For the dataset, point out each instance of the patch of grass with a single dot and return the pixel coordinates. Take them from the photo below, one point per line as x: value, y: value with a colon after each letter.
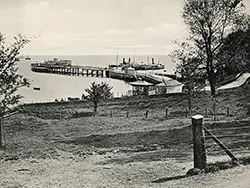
x: 38, y: 130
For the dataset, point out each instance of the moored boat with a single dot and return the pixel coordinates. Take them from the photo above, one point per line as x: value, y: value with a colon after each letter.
x: 37, y: 88
x: 126, y: 74
x: 138, y: 66
x: 27, y: 58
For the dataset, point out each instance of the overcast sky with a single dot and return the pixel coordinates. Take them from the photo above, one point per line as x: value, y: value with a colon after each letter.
x: 80, y: 27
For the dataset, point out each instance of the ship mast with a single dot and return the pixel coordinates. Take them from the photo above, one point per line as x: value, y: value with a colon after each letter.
x: 134, y: 56
x: 117, y: 57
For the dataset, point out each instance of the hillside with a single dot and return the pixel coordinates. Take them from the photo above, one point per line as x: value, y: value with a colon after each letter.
x: 61, y: 145
x: 236, y: 99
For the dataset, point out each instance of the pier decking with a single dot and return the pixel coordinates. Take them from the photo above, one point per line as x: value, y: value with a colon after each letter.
x: 76, y: 70
x: 69, y: 70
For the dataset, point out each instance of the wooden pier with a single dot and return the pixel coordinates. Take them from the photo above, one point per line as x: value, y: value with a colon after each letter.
x: 70, y: 70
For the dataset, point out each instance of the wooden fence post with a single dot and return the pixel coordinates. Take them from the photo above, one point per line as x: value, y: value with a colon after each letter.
x: 228, y: 111
x: 214, y: 108
x: 2, y: 140
x: 199, y: 142
x: 166, y: 113
x: 61, y: 113
x: 186, y: 115
x: 1, y: 133
x: 127, y: 113
x: 111, y: 114
x: 146, y: 114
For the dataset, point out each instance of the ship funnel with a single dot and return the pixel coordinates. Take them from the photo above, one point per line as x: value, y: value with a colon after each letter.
x: 129, y: 60
x: 153, y: 61
x: 123, y: 60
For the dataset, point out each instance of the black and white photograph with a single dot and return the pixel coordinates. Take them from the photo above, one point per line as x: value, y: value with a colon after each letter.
x: 124, y: 93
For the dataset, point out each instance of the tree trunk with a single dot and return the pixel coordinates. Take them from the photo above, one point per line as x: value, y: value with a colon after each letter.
x: 95, y: 109
x: 210, y: 65
x: 189, y: 102
x: 214, y: 99
x: 2, y: 144
x: 211, y: 76
x: 212, y: 83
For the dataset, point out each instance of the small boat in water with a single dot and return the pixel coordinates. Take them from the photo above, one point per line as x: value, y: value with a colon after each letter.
x: 37, y: 88
x: 27, y: 58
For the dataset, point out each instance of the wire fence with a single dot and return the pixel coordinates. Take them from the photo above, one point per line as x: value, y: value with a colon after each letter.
x: 218, y: 138
x: 234, y: 135
x: 56, y: 112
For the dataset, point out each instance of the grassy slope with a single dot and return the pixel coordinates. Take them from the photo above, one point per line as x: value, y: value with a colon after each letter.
x: 39, y: 132
x: 39, y: 128
x: 236, y: 99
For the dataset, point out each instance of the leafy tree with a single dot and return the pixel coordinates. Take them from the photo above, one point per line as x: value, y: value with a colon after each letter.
x: 209, y: 22
x: 98, y: 92
x: 234, y: 56
x: 192, y: 77
x: 10, y: 79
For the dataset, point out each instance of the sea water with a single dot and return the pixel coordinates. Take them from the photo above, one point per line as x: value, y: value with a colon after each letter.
x: 53, y: 86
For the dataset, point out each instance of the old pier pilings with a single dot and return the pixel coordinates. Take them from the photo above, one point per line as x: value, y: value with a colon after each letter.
x: 71, y: 70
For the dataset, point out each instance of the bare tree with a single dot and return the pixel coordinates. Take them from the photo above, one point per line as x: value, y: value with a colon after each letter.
x: 209, y: 22
x: 98, y: 92
x: 10, y: 79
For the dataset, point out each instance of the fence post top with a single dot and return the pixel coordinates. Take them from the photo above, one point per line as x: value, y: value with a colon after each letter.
x: 197, y: 117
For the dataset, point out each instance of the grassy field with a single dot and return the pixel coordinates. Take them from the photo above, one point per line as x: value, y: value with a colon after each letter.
x: 61, y: 145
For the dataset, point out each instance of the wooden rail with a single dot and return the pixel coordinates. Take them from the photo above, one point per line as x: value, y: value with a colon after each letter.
x: 10, y: 114
x: 217, y: 141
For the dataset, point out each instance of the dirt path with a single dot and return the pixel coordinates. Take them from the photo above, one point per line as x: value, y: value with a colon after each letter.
x: 237, y: 83
x: 99, y: 171
x: 79, y: 172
